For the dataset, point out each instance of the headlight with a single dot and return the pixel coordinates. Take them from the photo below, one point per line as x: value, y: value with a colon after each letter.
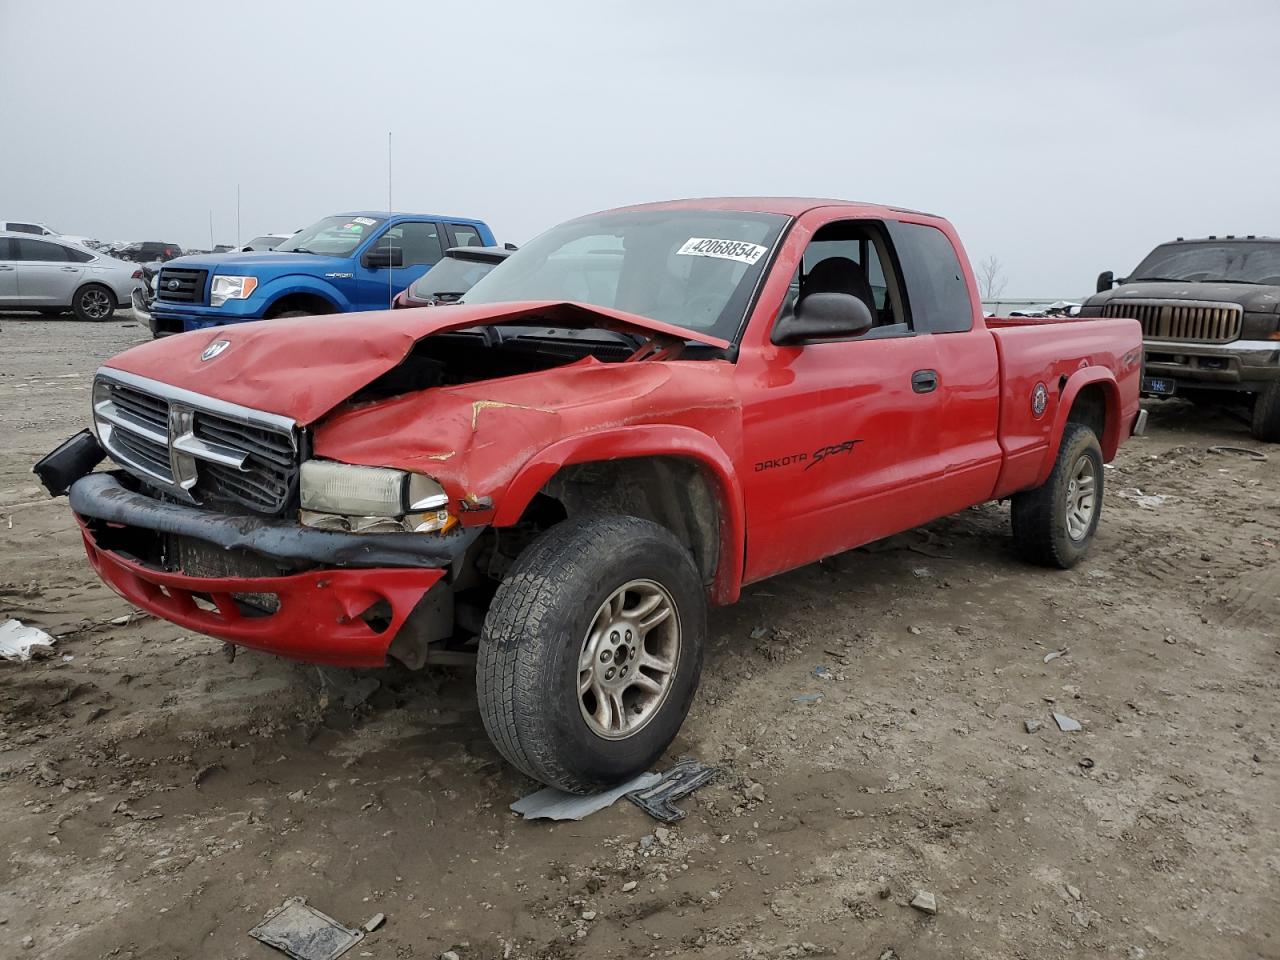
x: 339, y: 496
x: 231, y: 288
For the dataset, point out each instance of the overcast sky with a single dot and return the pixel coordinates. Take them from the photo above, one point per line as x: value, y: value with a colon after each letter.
x: 1063, y: 139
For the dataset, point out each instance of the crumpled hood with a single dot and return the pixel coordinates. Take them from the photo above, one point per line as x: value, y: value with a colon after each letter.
x: 303, y: 367
x: 1254, y: 298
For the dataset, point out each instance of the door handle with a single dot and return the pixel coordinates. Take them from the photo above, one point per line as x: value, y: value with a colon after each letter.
x: 3, y: 267
x: 924, y: 381
x: 70, y: 269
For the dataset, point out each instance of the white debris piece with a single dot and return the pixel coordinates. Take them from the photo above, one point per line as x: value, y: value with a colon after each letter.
x: 17, y: 640
x: 1066, y: 724
x: 553, y: 804
x: 925, y: 902
x: 1054, y: 655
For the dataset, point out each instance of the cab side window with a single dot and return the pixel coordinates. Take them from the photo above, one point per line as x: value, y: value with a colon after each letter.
x: 936, y: 288
x: 465, y: 236
x: 855, y: 257
x: 418, y: 241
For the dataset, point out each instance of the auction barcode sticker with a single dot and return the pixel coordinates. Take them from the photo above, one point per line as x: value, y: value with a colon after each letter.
x: 738, y: 250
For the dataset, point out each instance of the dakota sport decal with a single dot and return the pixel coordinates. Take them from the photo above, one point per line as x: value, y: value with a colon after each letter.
x: 808, y: 459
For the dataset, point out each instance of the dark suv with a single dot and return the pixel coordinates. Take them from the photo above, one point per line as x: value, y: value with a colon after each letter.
x: 149, y: 251
x: 1210, y: 315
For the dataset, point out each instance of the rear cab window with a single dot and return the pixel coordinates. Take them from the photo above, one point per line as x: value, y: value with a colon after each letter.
x: 937, y: 292
x: 465, y: 235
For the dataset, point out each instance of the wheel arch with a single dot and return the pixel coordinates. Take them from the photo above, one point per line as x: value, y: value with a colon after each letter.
x: 301, y: 294
x: 676, y: 476
x: 1089, y: 396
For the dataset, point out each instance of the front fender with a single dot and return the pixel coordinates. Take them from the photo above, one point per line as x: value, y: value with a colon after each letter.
x: 645, y: 440
x: 1110, y: 439
x: 275, y: 290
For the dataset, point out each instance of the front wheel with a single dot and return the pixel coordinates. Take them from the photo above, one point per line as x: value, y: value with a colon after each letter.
x: 1054, y: 524
x: 591, y: 652
x: 1266, y: 414
x: 94, y: 304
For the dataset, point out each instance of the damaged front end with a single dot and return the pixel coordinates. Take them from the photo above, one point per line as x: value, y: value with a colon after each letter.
x: 341, y: 518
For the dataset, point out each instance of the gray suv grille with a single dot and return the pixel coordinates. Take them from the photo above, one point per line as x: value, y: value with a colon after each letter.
x: 1193, y: 320
x: 196, y: 448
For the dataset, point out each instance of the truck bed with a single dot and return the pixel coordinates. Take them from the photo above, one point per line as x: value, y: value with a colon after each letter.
x: 1078, y: 354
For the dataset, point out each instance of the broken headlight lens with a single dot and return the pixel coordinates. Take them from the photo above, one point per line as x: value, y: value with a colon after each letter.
x: 342, y: 496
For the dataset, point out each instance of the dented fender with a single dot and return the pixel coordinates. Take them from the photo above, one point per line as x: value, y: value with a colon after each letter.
x: 645, y: 440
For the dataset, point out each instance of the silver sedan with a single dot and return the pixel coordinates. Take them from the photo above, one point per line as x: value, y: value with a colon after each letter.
x: 53, y: 276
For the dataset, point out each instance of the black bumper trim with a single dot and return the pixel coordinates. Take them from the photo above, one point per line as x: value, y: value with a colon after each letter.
x: 100, y: 496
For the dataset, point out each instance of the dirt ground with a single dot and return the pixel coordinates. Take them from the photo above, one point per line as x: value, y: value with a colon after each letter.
x: 156, y: 799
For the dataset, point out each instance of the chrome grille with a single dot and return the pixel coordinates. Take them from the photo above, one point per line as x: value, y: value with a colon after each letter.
x: 196, y: 448
x: 1191, y: 320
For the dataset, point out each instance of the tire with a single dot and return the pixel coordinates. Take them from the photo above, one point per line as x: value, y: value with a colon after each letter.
x: 1044, y: 532
x: 554, y: 613
x: 1265, y: 425
x: 288, y: 313
x: 94, y: 303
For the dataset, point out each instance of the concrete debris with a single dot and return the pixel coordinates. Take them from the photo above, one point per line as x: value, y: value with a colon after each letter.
x: 758, y: 633
x: 1148, y: 501
x: 374, y: 922
x: 588, y: 915
x: 1074, y: 892
x: 304, y: 933
x: 450, y: 955
x: 1066, y: 724
x: 925, y: 902
x: 553, y: 804
x: 822, y: 673
x: 629, y: 886
x: 752, y: 790
x: 1032, y: 725
x: 20, y: 642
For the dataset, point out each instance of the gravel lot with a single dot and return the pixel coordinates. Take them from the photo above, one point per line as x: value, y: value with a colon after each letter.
x: 158, y: 798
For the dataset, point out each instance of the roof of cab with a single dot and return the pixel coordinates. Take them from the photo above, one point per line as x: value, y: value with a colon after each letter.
x: 396, y: 214
x: 787, y: 206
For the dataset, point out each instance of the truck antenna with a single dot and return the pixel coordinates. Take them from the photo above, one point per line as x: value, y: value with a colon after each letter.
x: 237, y: 217
x: 390, y: 292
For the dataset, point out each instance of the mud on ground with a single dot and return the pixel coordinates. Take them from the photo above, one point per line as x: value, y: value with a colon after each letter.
x: 157, y: 799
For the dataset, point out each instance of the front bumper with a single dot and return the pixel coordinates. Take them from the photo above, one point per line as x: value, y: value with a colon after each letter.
x: 191, y: 316
x: 1240, y: 365
x: 344, y: 607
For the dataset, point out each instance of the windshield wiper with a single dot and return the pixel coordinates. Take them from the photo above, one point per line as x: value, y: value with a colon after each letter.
x: 1162, y: 280
x: 300, y: 250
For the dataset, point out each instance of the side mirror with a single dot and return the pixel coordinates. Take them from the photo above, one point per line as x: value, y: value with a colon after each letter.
x: 382, y: 257
x: 1106, y: 280
x: 824, y: 316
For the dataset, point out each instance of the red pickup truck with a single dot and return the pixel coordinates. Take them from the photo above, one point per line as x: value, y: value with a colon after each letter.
x: 632, y: 417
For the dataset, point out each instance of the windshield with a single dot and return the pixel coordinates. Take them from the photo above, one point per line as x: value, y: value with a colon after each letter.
x: 264, y: 243
x: 332, y: 236
x: 449, y: 279
x: 1231, y: 262
x: 693, y: 268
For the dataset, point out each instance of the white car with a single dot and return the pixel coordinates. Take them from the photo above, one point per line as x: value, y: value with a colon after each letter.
x: 39, y: 230
x: 268, y: 241
x: 52, y: 276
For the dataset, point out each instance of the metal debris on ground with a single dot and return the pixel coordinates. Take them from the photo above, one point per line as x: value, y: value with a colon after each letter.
x: 925, y: 902
x: 20, y: 642
x: 1239, y: 452
x: 553, y: 804
x: 658, y: 800
x: 1086, y: 763
x: 1032, y: 725
x: 758, y: 633
x: 304, y: 933
x: 374, y: 922
x: 822, y: 673
x: 1147, y: 500
x: 1055, y: 654
x: 806, y: 698
x: 1066, y: 724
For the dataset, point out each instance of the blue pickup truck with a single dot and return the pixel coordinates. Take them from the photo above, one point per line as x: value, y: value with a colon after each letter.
x: 344, y: 263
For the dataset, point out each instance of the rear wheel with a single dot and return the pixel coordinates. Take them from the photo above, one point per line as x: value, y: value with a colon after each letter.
x: 94, y: 303
x: 1265, y: 425
x: 591, y: 652
x: 289, y: 313
x: 1054, y: 524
